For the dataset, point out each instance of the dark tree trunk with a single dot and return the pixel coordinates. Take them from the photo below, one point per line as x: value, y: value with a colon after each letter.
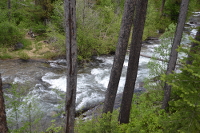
x: 3, y: 123
x: 136, y: 44
x: 162, y: 7
x: 37, y: 2
x: 71, y: 56
x: 127, y: 22
x: 194, y: 49
x: 9, y: 8
x: 174, y: 53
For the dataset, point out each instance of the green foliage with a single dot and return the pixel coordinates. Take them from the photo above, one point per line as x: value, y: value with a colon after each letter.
x: 104, y: 2
x: 27, y: 43
x: 23, y: 55
x: 86, y: 44
x: 154, y: 21
x: 193, y: 6
x: 97, y: 30
x: 9, y: 34
x: 22, y: 111
x: 53, y: 128
x: 157, y: 67
x: 146, y: 116
x: 172, y: 9
x: 98, y: 124
x: 4, y: 54
x: 57, y: 39
x: 184, y: 106
x: 146, y: 113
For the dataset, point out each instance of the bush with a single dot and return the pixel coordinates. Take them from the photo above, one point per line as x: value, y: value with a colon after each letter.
x: 99, y: 124
x: 23, y: 55
x: 9, y: 34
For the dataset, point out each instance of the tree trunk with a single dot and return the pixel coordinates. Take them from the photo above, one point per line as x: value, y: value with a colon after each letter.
x: 126, y: 24
x: 194, y: 48
x: 162, y: 7
x: 3, y: 123
x: 174, y: 53
x: 71, y: 56
x: 136, y: 44
x: 9, y: 10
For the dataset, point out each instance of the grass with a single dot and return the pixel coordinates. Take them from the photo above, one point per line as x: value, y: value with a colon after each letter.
x: 33, y: 48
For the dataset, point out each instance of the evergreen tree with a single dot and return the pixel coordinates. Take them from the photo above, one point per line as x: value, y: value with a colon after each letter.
x: 174, y: 53
x: 184, y: 107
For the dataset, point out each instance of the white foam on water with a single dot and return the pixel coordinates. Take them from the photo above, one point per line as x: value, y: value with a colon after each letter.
x: 18, y: 80
x: 87, y: 100
x: 57, y: 83
x: 101, y: 76
x: 193, y: 32
x: 106, y: 59
x: 91, y: 86
x: 196, y: 14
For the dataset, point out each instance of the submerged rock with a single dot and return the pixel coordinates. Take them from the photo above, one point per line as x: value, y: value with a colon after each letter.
x: 97, y: 110
x: 6, y: 86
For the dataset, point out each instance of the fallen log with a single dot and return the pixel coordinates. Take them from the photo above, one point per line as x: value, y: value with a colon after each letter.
x: 153, y: 57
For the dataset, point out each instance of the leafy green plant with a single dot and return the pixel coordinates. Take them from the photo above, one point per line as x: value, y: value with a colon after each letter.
x: 27, y: 44
x: 23, y: 115
x: 158, y: 63
x: 4, y: 53
x: 23, y: 55
x: 10, y: 34
x: 184, y: 104
x: 98, y: 124
x: 53, y: 128
x: 146, y: 113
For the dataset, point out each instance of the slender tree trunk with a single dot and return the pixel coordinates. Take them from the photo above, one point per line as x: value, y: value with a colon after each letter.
x: 174, y: 53
x: 136, y: 44
x: 3, y: 123
x: 194, y: 48
x: 9, y: 10
x: 162, y: 7
x: 71, y: 56
x: 127, y: 22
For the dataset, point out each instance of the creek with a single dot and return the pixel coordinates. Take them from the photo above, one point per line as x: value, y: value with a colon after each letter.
x: 45, y: 80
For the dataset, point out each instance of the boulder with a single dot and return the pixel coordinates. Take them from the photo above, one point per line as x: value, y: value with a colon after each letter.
x: 6, y: 86
x: 18, y: 46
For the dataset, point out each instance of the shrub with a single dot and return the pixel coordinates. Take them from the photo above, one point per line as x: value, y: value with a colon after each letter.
x: 9, y: 34
x: 23, y: 56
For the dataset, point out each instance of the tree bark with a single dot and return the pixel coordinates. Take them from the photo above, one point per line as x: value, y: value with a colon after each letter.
x: 3, y: 122
x: 136, y: 44
x: 9, y: 10
x: 162, y: 7
x: 126, y: 24
x: 194, y: 48
x: 174, y: 53
x: 71, y: 56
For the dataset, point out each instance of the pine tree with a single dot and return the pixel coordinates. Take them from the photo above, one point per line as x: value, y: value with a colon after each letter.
x: 184, y: 107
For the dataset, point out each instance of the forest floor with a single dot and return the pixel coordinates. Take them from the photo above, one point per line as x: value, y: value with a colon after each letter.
x: 38, y: 49
x: 34, y: 50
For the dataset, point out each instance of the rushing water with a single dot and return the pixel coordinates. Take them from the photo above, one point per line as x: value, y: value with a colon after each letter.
x: 46, y: 80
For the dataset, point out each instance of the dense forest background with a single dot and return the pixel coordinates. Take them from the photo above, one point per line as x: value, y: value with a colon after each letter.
x: 35, y: 29
x: 35, y: 23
